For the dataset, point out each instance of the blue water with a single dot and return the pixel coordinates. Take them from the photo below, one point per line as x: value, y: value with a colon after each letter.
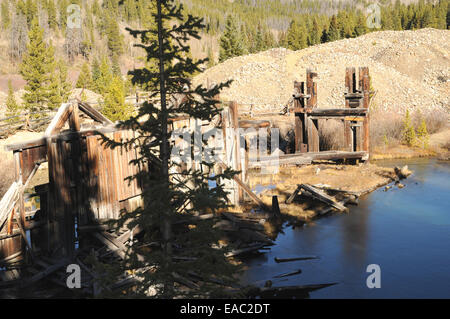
x: 405, y: 231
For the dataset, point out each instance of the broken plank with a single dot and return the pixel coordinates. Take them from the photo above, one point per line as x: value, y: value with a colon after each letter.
x: 321, y: 196
x: 247, y: 190
x: 293, y: 195
x: 48, y: 271
x: 284, y: 260
x: 236, y: 252
x: 289, y: 274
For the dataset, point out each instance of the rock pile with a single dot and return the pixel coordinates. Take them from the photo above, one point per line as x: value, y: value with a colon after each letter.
x: 409, y: 70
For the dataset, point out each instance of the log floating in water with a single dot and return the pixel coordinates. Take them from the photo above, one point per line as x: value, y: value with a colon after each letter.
x: 283, y: 260
x: 289, y: 274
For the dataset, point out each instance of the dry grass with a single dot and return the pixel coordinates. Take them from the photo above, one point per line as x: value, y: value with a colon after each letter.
x: 331, y: 135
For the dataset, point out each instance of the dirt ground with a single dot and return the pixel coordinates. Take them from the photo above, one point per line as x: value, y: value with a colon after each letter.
x: 359, y: 179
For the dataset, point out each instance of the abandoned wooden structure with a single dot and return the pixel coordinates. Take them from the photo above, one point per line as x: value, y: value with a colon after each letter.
x: 87, y: 183
x: 355, y: 115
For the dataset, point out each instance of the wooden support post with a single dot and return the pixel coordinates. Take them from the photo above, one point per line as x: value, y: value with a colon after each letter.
x: 237, y: 145
x: 300, y: 126
x: 350, y: 84
x: 312, y: 125
x: 365, y: 89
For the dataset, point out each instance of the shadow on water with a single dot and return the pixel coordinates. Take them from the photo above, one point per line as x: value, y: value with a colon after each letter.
x: 405, y: 231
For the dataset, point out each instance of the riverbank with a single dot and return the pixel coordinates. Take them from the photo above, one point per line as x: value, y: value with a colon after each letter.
x: 404, y: 231
x: 346, y: 183
x: 438, y: 146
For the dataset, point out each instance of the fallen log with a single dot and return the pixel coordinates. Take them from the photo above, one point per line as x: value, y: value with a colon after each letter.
x: 289, y: 274
x: 236, y: 252
x: 284, y: 260
x: 321, y: 196
x: 329, y: 209
x: 242, y: 223
x: 336, y: 190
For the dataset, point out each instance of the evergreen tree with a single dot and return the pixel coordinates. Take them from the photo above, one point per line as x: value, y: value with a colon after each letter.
x: 12, y: 108
x: 59, y: 88
x: 333, y: 33
x: 95, y: 72
x: 361, y: 25
x: 104, y: 76
x: 85, y: 78
x: 408, y: 133
x: 230, y: 42
x: 315, y: 34
x: 36, y: 68
x: 422, y: 134
x: 52, y: 19
x: 6, y: 19
x: 296, y: 36
x: 166, y: 195
x: 31, y: 11
x: 260, y: 44
x: 211, y: 58
x: 114, y: 106
x: 115, y: 38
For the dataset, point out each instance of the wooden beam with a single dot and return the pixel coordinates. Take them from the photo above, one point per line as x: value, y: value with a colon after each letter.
x: 59, y: 120
x: 93, y: 113
x: 247, y: 189
x: 341, y: 112
x: 25, y: 145
x: 320, y: 195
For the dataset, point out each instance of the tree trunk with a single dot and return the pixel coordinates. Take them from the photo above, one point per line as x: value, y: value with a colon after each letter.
x: 165, y: 223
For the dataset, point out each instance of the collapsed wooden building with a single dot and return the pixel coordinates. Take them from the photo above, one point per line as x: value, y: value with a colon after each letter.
x: 87, y: 180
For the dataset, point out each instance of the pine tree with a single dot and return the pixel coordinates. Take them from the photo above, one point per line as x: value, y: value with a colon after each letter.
x: 408, y: 134
x: 361, y: 25
x: 315, y: 33
x: 52, y: 19
x: 12, y: 108
x: 6, y: 19
x: 31, y: 11
x: 62, y: 7
x: 115, y: 39
x: 166, y: 195
x: 211, y: 58
x: 333, y: 33
x: 114, y: 106
x: 296, y: 36
x: 85, y: 78
x: 104, y: 76
x: 36, y: 69
x: 422, y: 133
x: 58, y: 90
x: 230, y: 42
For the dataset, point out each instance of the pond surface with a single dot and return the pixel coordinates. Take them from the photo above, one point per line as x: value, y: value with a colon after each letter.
x: 404, y: 231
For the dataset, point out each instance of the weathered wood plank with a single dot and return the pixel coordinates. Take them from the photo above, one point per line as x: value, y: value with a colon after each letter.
x: 320, y: 195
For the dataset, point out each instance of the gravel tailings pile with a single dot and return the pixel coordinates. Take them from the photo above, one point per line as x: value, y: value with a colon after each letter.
x: 409, y: 69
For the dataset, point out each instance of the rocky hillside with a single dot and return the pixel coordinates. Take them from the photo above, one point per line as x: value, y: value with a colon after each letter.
x: 409, y: 69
